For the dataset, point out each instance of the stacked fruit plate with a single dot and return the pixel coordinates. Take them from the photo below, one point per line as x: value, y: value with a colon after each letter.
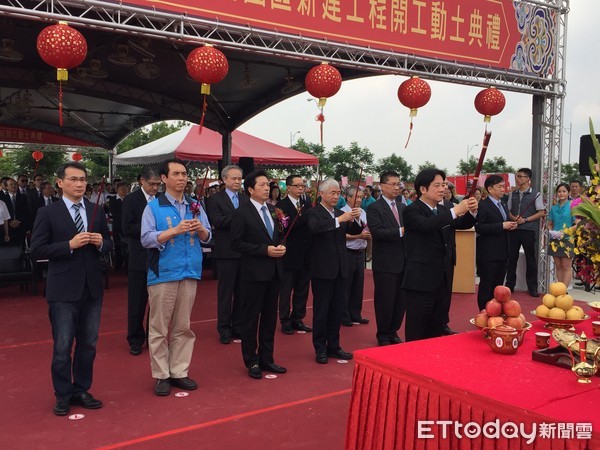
x: 502, y: 310
x: 558, y: 309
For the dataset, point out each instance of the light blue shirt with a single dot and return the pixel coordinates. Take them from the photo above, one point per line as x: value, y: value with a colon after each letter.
x: 149, y: 233
x: 82, y: 211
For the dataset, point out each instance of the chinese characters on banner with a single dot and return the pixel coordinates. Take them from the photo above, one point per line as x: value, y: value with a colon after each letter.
x: 483, y: 32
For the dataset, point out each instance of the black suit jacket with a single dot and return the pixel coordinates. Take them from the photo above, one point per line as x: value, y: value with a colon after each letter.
x: 297, y: 244
x: 328, y: 255
x: 219, y: 209
x: 35, y: 200
x: 115, y: 206
x: 492, y: 239
x: 21, y: 213
x: 131, y: 221
x: 69, y: 272
x: 388, y: 246
x: 428, y: 245
x: 250, y: 238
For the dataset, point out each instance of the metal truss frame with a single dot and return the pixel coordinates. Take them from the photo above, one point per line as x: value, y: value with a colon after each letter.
x: 181, y: 28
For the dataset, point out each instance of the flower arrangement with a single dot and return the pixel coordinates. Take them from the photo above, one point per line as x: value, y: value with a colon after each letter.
x: 584, y: 236
x: 281, y: 219
x: 195, y: 209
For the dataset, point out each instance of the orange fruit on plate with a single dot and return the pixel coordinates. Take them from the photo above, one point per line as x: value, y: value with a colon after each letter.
x: 557, y: 313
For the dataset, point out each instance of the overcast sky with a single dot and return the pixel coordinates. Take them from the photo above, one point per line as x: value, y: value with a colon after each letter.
x: 368, y: 111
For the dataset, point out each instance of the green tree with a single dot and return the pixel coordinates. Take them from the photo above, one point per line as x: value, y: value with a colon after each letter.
x: 396, y: 163
x: 570, y: 172
x: 15, y: 162
x: 497, y: 165
x: 348, y: 162
x: 465, y: 167
x: 308, y: 172
x: 428, y: 165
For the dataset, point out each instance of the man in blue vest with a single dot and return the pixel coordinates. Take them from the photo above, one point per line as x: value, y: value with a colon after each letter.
x: 173, y: 227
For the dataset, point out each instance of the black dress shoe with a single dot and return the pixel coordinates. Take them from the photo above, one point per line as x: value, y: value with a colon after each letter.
x: 534, y: 293
x: 322, y: 358
x: 135, y: 350
x: 446, y: 331
x: 274, y: 368
x: 86, y: 400
x: 184, y: 383
x: 339, y: 354
x: 347, y: 323
x: 383, y: 343
x: 255, y: 372
x: 362, y: 321
x: 287, y: 329
x: 396, y: 340
x: 225, y: 338
x: 301, y: 327
x: 163, y: 387
x: 62, y: 407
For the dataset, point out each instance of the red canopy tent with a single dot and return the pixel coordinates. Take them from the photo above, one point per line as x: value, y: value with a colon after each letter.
x: 189, y: 145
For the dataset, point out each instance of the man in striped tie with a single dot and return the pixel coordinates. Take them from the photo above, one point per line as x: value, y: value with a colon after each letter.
x: 71, y: 238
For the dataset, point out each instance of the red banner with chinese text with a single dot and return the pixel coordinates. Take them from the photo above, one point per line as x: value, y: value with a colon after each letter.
x: 488, y: 33
x: 25, y: 136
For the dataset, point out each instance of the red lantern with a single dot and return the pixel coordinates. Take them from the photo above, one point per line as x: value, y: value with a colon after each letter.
x: 489, y: 102
x: 323, y: 81
x: 37, y: 155
x: 62, y: 47
x: 77, y: 156
x: 206, y: 65
x: 413, y: 93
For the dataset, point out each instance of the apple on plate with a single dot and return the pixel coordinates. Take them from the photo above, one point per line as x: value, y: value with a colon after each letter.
x: 502, y: 293
x: 495, y: 321
x: 493, y: 308
x: 512, y: 308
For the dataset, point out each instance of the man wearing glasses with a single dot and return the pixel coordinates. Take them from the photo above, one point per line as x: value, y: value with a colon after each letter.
x: 525, y: 207
x: 137, y: 293
x: 296, y: 277
x: 71, y: 237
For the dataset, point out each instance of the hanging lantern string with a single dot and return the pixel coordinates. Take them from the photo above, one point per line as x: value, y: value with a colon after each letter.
x: 486, y: 141
x: 204, y: 108
x: 410, y: 127
x: 357, y: 187
x: 100, y: 190
x: 321, y: 119
x: 60, y: 104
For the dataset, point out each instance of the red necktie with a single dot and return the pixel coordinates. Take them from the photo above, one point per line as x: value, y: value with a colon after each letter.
x: 395, y: 212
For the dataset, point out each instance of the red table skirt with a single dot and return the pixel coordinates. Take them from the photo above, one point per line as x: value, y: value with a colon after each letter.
x: 391, y: 394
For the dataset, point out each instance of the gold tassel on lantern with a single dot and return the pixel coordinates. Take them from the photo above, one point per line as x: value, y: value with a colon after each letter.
x: 205, y: 89
x: 322, y: 102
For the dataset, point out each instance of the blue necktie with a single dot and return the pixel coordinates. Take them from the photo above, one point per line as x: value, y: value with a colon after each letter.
x: 267, y: 221
x: 78, y: 220
x: 501, y: 210
x: 434, y: 211
x: 235, y: 201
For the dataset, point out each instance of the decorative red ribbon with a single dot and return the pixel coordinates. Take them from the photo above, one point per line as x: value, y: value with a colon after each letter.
x: 486, y: 141
x: 100, y: 190
x: 409, y: 133
x: 204, y: 108
x: 321, y: 118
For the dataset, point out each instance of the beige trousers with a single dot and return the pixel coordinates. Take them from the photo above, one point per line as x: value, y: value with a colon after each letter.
x: 171, y: 306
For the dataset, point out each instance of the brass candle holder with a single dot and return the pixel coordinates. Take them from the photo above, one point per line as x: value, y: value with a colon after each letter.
x: 583, y: 369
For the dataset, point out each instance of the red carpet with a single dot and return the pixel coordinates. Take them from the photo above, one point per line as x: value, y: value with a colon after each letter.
x: 305, y: 408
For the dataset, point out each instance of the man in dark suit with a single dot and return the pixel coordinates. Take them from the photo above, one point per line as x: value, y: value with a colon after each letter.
x: 385, y: 224
x: 451, y: 239
x: 328, y: 227
x: 68, y: 235
x: 295, y: 261
x: 35, y: 196
x: 48, y: 196
x: 220, y: 208
x: 20, y: 219
x: 115, y: 206
x: 137, y: 292
x: 426, y: 280
x: 493, y: 234
x: 255, y: 234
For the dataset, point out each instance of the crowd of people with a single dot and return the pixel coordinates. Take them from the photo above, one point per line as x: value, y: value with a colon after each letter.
x: 270, y: 247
